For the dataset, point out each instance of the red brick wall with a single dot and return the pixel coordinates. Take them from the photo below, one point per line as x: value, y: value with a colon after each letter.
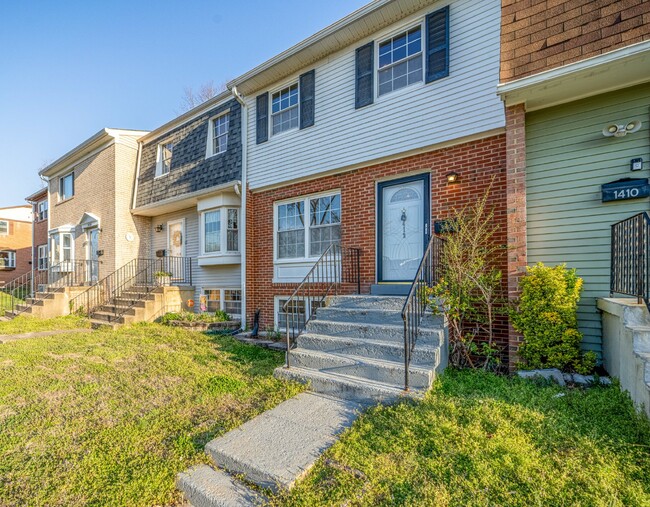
x: 476, y: 162
x: 516, y: 199
x: 538, y: 35
x: 20, y: 240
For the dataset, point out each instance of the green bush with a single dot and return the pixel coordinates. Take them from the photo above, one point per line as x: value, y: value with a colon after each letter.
x: 546, y: 315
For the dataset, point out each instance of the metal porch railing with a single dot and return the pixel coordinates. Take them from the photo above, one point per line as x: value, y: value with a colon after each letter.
x: 630, y: 257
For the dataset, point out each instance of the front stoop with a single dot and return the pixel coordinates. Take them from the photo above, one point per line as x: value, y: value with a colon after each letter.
x: 354, y: 349
x: 272, y: 451
x: 352, y: 355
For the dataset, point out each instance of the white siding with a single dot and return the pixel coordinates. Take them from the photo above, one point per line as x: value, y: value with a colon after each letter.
x: 463, y: 104
x: 203, y: 277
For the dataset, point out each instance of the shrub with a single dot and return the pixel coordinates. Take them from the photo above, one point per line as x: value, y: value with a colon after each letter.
x: 546, y: 315
x: 218, y: 316
x: 469, y: 290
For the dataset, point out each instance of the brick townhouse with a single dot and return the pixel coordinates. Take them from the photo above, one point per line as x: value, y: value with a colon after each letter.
x: 15, y: 242
x: 40, y: 244
x: 352, y: 136
x: 575, y: 80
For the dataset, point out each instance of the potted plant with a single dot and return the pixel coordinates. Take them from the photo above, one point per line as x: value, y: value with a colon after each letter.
x: 163, y: 278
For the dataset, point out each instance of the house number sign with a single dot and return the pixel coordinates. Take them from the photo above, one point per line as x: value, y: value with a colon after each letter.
x: 627, y: 188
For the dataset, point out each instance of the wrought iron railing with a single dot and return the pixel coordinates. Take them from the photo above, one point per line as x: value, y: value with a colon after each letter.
x: 337, y: 271
x: 415, y: 306
x: 26, y: 290
x: 140, y: 277
x: 630, y: 257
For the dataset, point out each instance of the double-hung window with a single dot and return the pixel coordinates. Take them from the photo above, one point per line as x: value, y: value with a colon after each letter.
x: 66, y: 186
x: 306, y: 227
x: 62, y: 247
x: 4, y: 227
x: 284, y: 109
x: 164, y: 159
x: 220, y: 231
x: 228, y: 300
x: 42, y: 210
x: 42, y: 257
x: 7, y: 259
x: 219, y: 128
x: 400, y: 61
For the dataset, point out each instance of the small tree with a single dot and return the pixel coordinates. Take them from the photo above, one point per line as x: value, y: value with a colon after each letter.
x: 546, y: 315
x: 469, y: 291
x: 205, y: 92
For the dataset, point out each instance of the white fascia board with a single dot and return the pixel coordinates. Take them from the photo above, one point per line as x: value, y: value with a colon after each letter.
x: 621, y: 68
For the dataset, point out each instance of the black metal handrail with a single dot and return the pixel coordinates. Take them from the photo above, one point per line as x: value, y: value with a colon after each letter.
x: 337, y: 269
x: 415, y: 306
x: 34, y: 285
x: 630, y: 257
x: 145, y: 275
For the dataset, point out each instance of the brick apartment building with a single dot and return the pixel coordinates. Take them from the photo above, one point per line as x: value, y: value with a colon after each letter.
x: 15, y: 242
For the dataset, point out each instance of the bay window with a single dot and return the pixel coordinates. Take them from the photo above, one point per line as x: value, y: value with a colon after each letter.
x: 305, y: 228
x: 220, y: 231
x: 7, y: 259
x: 62, y: 247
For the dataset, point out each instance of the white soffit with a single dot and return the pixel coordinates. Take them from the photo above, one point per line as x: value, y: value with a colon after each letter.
x: 611, y: 71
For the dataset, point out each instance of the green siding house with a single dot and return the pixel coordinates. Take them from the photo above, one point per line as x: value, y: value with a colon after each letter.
x: 568, y: 159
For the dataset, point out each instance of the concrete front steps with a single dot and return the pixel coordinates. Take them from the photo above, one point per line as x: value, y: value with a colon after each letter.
x: 136, y: 304
x: 44, y: 304
x: 354, y: 349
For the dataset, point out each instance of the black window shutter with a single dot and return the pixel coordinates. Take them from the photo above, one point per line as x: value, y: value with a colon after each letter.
x: 437, y: 54
x: 364, y: 78
x: 307, y: 96
x: 262, y: 127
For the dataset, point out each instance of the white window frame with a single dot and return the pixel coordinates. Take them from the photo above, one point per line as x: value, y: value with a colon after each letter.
x: 307, y: 221
x: 223, y: 217
x: 53, y: 238
x: 42, y: 256
x: 405, y: 28
x: 222, y: 298
x: 160, y: 163
x: 280, y: 89
x: 42, y: 209
x: 277, y: 306
x: 11, y: 259
x: 6, y: 226
x: 209, y: 150
x: 62, y: 179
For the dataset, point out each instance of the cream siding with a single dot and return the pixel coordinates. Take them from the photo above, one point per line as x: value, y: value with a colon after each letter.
x: 463, y: 104
x: 203, y: 277
x: 568, y: 159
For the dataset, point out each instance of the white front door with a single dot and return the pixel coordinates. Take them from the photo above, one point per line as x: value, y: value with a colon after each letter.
x: 403, y: 227
x: 176, y: 238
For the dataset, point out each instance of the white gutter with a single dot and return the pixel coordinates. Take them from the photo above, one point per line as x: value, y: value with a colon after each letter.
x: 244, y: 191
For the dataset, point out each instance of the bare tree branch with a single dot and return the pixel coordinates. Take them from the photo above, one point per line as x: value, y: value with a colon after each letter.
x: 205, y: 92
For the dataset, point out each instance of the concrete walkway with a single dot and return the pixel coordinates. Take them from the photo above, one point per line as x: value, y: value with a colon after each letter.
x: 4, y: 338
x: 272, y: 451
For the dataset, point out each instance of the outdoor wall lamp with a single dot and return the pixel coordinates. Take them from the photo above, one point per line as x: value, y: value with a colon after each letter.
x: 160, y: 227
x: 452, y: 178
x: 616, y: 130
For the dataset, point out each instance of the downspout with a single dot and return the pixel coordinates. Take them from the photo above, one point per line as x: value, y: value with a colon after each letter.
x: 244, y: 186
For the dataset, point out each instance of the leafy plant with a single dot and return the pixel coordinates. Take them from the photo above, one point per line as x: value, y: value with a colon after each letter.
x: 469, y: 291
x: 218, y: 316
x: 162, y: 274
x: 546, y: 315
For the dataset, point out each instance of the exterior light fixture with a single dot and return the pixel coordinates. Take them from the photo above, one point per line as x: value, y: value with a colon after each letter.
x: 452, y: 178
x: 159, y: 227
x: 615, y: 130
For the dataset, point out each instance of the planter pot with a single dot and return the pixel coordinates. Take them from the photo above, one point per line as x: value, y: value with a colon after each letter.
x: 164, y: 281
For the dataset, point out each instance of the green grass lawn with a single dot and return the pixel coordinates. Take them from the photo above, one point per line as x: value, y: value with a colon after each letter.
x: 110, y: 417
x: 482, y: 440
x: 25, y: 324
x: 5, y: 302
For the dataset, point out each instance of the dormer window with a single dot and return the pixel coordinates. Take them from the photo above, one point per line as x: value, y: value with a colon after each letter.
x: 284, y: 109
x: 400, y: 61
x: 218, y: 135
x: 164, y: 159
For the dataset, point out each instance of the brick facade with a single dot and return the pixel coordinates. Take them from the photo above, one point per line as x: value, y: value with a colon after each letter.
x: 19, y: 240
x: 477, y: 162
x: 538, y: 35
x: 190, y: 169
x: 516, y: 201
x: 40, y: 226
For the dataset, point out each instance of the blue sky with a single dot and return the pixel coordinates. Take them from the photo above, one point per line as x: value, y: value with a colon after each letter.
x: 70, y: 68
